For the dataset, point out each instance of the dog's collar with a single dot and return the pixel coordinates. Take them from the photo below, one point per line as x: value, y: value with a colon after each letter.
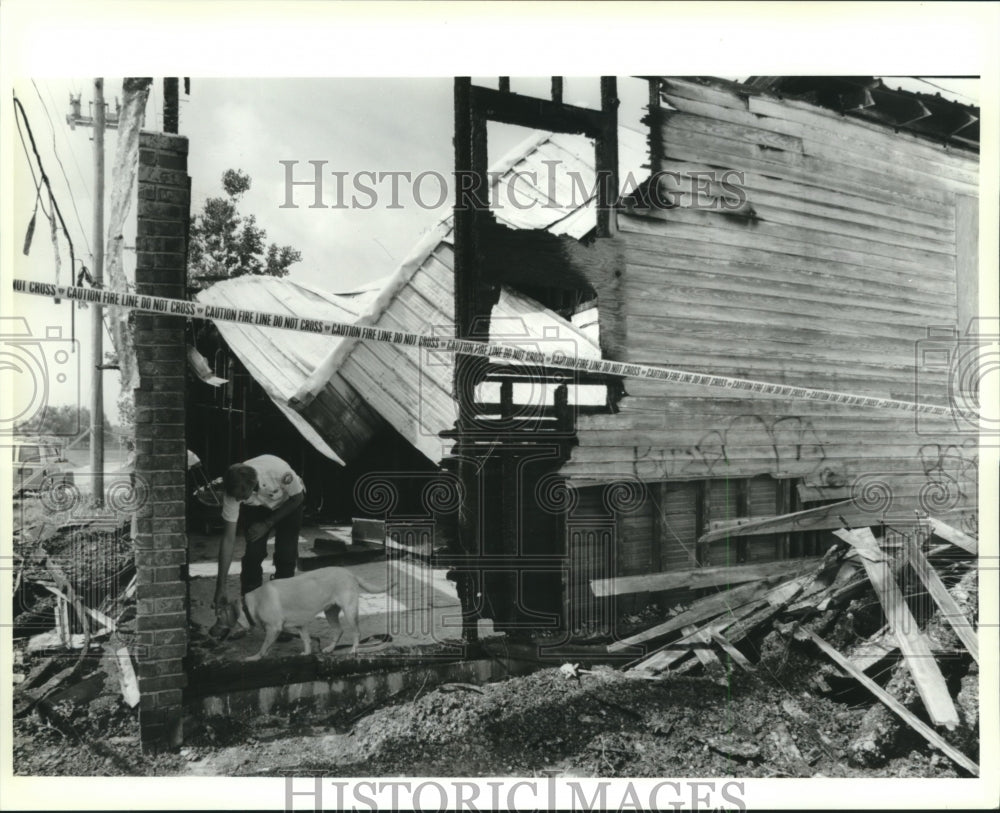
x: 246, y: 610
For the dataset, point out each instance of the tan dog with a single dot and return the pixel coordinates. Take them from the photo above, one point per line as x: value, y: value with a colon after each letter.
x: 290, y: 604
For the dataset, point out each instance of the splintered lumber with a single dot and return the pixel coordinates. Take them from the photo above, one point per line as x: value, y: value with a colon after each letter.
x: 953, y: 535
x: 126, y: 676
x: 738, y: 657
x: 739, y: 625
x: 28, y: 697
x: 949, y: 608
x: 894, y: 705
x: 701, y: 638
x: 700, y: 610
x: 913, y: 643
x: 809, y: 520
x: 698, y: 577
x: 51, y: 640
x: 669, y: 654
x: 823, y: 518
x: 102, y: 619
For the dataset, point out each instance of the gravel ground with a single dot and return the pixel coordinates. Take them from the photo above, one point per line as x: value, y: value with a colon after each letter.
x: 602, y: 724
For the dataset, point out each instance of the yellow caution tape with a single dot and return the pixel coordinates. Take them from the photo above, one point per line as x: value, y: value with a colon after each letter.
x: 197, y: 310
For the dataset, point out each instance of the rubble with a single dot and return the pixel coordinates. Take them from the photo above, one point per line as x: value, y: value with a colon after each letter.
x: 751, y: 709
x: 804, y: 608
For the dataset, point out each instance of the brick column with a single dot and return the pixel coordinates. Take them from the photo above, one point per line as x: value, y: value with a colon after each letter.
x: 161, y: 448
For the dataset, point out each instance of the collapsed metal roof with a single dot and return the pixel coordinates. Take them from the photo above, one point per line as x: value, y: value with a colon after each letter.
x: 340, y: 392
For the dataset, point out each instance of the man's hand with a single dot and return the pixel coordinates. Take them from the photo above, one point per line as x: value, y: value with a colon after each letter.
x: 258, y: 530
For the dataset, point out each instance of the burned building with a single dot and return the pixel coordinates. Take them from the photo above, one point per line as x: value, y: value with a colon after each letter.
x: 818, y: 233
x: 797, y: 232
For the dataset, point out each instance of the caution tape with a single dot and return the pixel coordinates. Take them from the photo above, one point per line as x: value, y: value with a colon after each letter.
x: 506, y: 352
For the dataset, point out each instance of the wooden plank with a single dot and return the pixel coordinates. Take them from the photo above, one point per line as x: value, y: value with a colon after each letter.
x: 825, y: 517
x: 656, y: 244
x: 700, y: 640
x: 894, y: 705
x: 953, y: 535
x: 697, y: 577
x: 749, y: 327
x: 967, y: 260
x: 808, y: 520
x: 102, y: 619
x: 813, y: 173
x: 766, y: 142
x: 711, y: 225
x: 949, y: 608
x: 669, y: 654
x: 738, y: 657
x: 700, y: 610
x: 767, y: 194
x: 536, y: 113
x: 913, y: 643
x: 129, y: 683
x: 652, y: 262
x: 823, y: 120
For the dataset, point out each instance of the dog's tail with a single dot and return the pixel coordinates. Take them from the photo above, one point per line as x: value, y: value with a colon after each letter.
x: 371, y: 588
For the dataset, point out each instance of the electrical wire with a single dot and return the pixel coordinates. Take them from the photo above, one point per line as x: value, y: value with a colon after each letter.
x: 55, y: 152
x: 19, y: 108
x: 946, y: 90
x: 76, y: 164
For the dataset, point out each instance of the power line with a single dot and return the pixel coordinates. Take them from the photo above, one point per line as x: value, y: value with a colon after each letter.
x: 55, y: 151
x: 19, y: 108
x: 83, y: 179
x: 946, y: 90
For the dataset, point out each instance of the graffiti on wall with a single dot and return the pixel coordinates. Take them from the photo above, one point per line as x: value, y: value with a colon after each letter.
x: 751, y: 444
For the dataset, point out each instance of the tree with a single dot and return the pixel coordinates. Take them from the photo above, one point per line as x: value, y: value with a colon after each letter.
x: 65, y: 420
x: 223, y: 244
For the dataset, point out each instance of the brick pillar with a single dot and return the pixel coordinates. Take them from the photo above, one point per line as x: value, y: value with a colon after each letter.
x: 161, y: 448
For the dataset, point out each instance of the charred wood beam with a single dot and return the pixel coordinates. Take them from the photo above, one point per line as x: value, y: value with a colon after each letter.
x: 538, y: 114
x: 474, y: 299
x: 557, y: 89
x: 606, y: 152
x: 524, y: 257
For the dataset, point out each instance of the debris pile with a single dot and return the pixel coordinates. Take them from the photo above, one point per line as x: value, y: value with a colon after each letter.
x: 920, y: 604
x: 73, y: 615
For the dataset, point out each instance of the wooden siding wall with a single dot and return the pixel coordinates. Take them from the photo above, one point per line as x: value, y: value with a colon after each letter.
x: 862, y: 240
x: 852, y: 256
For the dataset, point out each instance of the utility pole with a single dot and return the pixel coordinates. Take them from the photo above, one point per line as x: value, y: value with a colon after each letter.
x: 97, y: 316
x: 100, y: 121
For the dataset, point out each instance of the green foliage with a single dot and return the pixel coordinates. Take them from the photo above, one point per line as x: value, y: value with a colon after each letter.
x: 66, y: 420
x: 224, y: 244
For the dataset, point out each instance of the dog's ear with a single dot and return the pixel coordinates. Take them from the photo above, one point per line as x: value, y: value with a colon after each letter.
x: 239, y: 617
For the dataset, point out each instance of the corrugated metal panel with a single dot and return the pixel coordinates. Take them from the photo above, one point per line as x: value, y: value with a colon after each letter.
x: 280, y: 360
x: 338, y: 392
x: 411, y: 388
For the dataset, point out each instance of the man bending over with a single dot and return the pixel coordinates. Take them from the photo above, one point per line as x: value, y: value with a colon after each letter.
x: 269, y: 495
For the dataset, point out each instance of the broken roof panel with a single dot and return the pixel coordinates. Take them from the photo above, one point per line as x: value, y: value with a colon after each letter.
x: 340, y: 392
x: 281, y: 360
x: 411, y: 387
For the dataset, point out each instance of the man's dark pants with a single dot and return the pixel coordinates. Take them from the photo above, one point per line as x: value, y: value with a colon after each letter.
x: 286, y: 546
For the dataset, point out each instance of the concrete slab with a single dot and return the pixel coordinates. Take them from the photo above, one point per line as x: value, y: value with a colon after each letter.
x: 420, y: 607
